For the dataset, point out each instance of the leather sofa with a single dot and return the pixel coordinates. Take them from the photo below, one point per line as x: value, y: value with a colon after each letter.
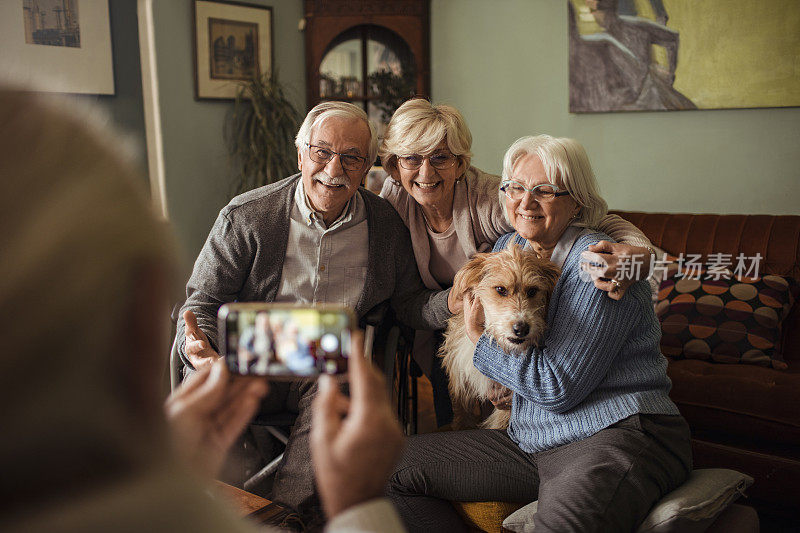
x: 743, y: 417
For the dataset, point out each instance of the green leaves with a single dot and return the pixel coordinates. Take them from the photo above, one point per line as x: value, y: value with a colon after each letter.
x: 259, y: 133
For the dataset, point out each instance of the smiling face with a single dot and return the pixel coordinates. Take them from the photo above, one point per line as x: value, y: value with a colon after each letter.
x: 327, y: 186
x: 542, y: 222
x: 429, y: 186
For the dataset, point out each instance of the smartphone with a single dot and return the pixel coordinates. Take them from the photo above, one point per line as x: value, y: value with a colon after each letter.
x: 284, y: 341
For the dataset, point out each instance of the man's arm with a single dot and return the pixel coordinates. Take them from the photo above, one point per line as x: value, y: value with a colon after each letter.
x: 218, y: 277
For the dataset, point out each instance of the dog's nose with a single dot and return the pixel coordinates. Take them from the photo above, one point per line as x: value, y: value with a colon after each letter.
x: 521, y: 329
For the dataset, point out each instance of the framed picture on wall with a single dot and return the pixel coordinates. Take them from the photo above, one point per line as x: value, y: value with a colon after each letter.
x: 232, y: 43
x: 58, y: 45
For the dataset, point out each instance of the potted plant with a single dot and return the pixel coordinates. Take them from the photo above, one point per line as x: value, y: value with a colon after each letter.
x: 259, y: 133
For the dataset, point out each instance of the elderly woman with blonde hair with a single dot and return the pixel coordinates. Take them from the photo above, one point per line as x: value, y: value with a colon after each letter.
x: 452, y: 212
x: 593, y: 435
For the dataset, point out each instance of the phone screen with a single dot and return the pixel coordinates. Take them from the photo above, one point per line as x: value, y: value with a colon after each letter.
x: 285, y: 342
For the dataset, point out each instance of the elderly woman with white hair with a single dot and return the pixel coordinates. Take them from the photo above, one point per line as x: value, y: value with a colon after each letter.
x: 593, y: 435
x: 451, y: 211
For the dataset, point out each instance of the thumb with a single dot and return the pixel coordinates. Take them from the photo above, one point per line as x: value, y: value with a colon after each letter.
x: 602, y: 247
x: 192, y: 329
x: 326, y: 414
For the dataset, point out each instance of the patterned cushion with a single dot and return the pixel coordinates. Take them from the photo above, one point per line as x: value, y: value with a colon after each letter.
x: 735, y: 320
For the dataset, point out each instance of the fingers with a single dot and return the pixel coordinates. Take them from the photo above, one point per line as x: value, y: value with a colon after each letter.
x: 615, y: 291
x: 326, y: 415
x: 606, y: 247
x: 192, y: 330
x: 366, y: 384
x: 210, y: 393
x: 239, y: 408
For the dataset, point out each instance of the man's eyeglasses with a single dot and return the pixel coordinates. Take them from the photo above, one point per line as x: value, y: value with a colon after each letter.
x: 439, y: 160
x: 349, y: 162
x: 544, y: 191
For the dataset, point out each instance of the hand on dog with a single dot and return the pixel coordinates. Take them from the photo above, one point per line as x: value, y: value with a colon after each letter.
x: 474, y: 317
x: 208, y: 412
x: 198, y: 349
x: 455, y: 301
x: 613, y: 254
x: 500, y: 396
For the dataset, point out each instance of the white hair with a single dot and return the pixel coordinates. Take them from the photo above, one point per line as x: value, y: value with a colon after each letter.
x: 322, y: 112
x: 418, y: 126
x: 567, y: 166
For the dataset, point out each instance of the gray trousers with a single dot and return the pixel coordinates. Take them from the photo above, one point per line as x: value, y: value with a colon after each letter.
x: 606, y: 482
x: 294, y: 485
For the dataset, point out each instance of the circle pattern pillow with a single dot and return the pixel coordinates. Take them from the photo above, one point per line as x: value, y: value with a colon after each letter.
x: 736, y: 320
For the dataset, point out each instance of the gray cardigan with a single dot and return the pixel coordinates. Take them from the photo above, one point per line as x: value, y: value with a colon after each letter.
x: 242, y: 260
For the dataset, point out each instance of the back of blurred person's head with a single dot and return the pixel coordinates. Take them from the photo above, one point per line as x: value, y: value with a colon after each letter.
x: 82, y: 258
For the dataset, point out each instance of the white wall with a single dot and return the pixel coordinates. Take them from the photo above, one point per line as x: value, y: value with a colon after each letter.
x: 503, y: 63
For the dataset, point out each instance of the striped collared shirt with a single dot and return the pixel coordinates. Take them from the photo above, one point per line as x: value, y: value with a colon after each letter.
x: 325, y: 265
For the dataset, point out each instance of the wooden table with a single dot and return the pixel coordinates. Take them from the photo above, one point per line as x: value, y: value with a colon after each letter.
x: 255, y: 507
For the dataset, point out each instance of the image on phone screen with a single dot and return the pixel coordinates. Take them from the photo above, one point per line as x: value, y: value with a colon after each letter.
x: 286, y: 342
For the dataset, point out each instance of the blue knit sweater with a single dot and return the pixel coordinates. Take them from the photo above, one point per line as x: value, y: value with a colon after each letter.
x: 600, y: 361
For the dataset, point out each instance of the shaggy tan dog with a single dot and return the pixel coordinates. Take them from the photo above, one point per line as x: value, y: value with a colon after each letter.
x: 514, y: 287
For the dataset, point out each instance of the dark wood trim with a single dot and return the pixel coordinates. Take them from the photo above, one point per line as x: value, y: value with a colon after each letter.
x: 327, y: 19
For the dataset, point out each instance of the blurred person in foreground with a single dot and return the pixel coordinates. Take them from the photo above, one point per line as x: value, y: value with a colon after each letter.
x: 87, y: 272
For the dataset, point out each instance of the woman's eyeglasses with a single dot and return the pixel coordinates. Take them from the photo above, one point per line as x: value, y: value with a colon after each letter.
x: 439, y: 160
x: 349, y: 162
x: 544, y: 191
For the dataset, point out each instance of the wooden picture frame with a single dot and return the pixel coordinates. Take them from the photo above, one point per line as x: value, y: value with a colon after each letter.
x: 58, y: 46
x: 232, y: 43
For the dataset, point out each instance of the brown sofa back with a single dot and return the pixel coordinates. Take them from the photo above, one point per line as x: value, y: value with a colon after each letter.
x: 776, y: 238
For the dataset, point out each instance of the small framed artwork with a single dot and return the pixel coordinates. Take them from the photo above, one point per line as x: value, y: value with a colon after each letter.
x: 233, y: 43
x: 58, y: 45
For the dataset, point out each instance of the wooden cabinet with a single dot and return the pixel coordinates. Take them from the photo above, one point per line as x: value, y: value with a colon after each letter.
x: 375, y: 54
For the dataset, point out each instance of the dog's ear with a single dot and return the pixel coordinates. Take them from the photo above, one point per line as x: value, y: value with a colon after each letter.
x: 470, y: 274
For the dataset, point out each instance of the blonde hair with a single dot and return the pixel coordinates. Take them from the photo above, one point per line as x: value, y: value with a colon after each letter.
x: 322, y: 112
x: 77, y: 232
x: 567, y: 166
x: 418, y: 126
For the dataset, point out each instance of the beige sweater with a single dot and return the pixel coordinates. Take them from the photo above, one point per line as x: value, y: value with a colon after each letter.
x: 479, y: 221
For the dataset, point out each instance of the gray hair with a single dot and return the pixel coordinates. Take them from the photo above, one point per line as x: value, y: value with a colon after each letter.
x: 418, y: 126
x: 322, y: 112
x: 567, y: 166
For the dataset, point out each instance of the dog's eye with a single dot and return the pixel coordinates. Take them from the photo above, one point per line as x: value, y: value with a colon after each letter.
x: 501, y: 291
x: 532, y: 292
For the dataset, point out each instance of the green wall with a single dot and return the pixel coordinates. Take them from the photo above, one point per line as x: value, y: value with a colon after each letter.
x: 197, y: 173
x: 503, y: 63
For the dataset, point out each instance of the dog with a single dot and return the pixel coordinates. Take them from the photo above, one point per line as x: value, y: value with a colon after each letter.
x: 514, y: 287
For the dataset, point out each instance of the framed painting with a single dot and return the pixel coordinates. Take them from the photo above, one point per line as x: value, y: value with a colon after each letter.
x: 58, y: 45
x: 232, y: 43
x: 665, y: 55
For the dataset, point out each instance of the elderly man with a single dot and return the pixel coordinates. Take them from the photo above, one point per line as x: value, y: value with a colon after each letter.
x: 316, y: 237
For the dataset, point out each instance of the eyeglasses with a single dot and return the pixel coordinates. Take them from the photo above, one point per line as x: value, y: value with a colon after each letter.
x: 439, y: 160
x: 544, y: 191
x: 349, y: 162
